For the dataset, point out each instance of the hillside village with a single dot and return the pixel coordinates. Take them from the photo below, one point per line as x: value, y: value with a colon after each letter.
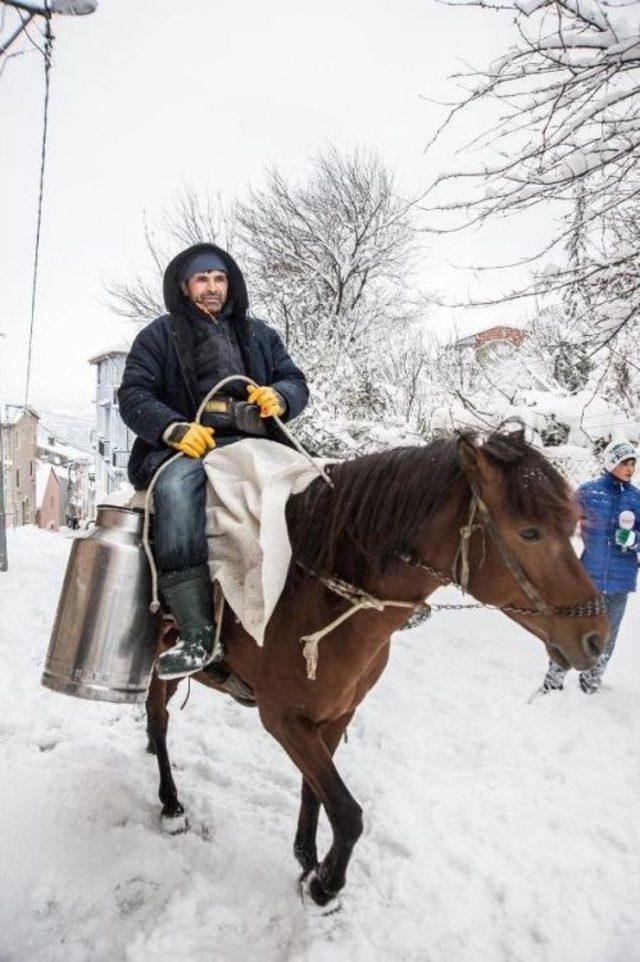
x: 51, y: 482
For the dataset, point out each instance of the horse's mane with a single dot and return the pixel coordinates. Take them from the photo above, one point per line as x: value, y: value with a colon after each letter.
x: 380, y: 500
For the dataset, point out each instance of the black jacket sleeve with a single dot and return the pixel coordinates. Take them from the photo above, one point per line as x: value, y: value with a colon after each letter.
x: 288, y: 380
x: 140, y: 395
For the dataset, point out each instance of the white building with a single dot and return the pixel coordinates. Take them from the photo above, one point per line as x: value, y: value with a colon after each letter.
x: 112, y: 440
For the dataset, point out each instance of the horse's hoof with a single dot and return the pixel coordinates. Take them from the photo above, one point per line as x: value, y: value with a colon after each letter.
x: 174, y: 822
x: 315, y: 898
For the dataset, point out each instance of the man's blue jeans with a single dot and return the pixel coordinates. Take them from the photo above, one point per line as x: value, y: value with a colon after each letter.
x: 592, y: 677
x: 179, y: 499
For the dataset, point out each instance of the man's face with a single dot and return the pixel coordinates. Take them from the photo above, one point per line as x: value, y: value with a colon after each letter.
x: 624, y: 471
x: 207, y: 290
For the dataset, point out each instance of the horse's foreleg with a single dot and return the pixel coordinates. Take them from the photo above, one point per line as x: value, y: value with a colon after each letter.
x: 304, y: 846
x: 157, y: 724
x: 304, y: 744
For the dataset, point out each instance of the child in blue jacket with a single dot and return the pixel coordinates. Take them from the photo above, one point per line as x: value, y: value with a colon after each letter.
x: 611, y: 533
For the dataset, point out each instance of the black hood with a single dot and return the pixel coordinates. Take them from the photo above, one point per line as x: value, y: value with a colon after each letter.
x: 176, y: 301
x: 182, y: 313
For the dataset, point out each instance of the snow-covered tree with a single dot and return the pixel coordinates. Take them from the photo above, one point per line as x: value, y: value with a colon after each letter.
x: 328, y: 262
x: 567, y: 96
x: 330, y: 259
x: 337, y: 244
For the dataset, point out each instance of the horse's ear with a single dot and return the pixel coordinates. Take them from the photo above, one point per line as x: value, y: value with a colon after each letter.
x: 519, y: 435
x: 471, y: 459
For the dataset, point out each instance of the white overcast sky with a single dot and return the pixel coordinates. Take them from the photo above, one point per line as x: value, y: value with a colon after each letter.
x: 152, y: 94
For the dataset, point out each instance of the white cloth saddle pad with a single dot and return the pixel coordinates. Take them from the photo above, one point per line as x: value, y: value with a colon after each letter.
x: 249, y: 549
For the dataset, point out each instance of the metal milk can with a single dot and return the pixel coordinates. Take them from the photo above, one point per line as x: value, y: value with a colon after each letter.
x: 104, y: 636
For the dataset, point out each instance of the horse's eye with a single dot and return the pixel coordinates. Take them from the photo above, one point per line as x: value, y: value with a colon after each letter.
x: 530, y: 534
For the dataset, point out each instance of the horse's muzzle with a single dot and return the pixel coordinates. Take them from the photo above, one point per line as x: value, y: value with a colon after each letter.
x: 591, y: 646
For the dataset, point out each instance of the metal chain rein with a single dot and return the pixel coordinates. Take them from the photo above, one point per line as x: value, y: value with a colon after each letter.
x: 360, y: 599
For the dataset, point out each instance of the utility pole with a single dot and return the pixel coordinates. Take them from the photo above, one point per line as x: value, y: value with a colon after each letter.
x: 4, y: 561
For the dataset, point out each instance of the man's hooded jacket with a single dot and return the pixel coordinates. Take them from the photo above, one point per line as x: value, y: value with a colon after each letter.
x: 160, y: 382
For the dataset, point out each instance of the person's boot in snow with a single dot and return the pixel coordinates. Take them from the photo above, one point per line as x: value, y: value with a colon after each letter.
x: 589, y: 682
x: 189, y: 595
x: 553, y: 680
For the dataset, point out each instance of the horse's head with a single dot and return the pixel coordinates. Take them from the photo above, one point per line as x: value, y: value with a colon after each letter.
x: 526, y: 515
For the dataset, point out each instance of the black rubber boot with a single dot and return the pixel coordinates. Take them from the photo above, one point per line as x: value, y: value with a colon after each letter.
x: 189, y: 595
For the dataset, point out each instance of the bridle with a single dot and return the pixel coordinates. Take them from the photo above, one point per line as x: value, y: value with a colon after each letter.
x: 460, y: 571
x: 460, y: 574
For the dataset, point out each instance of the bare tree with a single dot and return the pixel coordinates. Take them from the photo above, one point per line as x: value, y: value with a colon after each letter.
x: 567, y: 135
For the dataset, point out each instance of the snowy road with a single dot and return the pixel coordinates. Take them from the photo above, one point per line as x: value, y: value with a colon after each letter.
x: 494, y: 830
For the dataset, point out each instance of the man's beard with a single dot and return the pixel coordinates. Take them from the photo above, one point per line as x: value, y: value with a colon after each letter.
x: 212, y: 307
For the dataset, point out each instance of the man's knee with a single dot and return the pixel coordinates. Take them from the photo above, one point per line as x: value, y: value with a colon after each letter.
x: 181, y: 482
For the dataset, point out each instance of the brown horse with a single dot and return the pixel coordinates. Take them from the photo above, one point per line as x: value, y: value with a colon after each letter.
x: 397, y: 524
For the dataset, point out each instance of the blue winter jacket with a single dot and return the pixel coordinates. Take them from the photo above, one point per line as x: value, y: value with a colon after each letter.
x: 610, y: 568
x: 160, y: 383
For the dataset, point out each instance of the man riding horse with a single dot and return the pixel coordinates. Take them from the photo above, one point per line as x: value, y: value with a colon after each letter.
x: 174, y: 362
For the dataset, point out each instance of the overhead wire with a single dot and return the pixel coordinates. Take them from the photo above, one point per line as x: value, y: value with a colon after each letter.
x: 47, y: 52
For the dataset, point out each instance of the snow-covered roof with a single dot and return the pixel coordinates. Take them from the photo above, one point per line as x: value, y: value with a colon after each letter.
x: 581, y: 410
x: 123, y: 347
x: 587, y: 417
x: 56, y: 447
x: 494, y: 333
x: 10, y: 414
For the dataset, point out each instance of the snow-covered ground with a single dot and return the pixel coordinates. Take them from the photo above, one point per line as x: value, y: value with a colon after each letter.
x: 494, y: 830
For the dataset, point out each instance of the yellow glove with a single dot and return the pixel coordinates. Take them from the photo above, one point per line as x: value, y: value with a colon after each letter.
x: 268, y: 400
x: 192, y: 439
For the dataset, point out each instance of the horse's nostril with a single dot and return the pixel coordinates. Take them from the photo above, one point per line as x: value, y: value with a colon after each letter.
x: 592, y: 644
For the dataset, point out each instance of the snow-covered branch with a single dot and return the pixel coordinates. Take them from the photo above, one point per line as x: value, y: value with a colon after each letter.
x: 567, y: 96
